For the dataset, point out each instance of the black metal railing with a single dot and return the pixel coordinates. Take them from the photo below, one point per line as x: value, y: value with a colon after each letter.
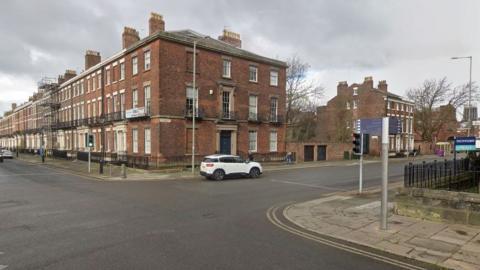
x: 115, y: 116
x: 457, y: 175
x: 60, y: 154
x: 228, y: 115
x: 275, y: 118
x: 188, y: 113
x: 253, y: 117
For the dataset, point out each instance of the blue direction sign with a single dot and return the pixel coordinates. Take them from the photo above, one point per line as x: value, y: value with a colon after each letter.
x: 465, y: 143
x: 373, y: 126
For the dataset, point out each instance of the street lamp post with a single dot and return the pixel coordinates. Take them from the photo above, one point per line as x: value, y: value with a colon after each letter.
x: 469, y: 119
x: 194, y: 104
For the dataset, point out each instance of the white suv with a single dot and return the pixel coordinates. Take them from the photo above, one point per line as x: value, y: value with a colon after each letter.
x: 218, y: 166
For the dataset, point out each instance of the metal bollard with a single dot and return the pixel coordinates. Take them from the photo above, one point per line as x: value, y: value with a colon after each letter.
x: 1, y: 159
x: 124, y: 171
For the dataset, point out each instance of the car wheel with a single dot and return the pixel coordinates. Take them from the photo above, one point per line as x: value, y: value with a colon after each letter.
x: 218, y: 175
x: 254, y: 173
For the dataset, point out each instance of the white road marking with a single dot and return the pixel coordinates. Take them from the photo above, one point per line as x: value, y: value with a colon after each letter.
x: 308, y: 185
x: 3, y: 266
x: 371, y: 205
x: 30, y: 174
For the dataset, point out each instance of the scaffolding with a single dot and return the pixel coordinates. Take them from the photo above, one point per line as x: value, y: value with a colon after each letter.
x: 48, y: 87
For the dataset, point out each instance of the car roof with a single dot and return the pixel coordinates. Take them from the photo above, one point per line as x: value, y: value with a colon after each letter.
x: 219, y: 156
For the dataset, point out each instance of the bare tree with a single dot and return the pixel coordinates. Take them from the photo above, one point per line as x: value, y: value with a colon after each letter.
x: 434, y: 101
x: 303, y: 96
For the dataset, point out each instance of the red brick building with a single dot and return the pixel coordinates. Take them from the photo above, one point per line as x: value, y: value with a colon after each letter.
x: 338, y: 119
x: 138, y: 102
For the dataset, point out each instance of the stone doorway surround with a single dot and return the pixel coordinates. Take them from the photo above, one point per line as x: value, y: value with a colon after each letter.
x: 234, y: 130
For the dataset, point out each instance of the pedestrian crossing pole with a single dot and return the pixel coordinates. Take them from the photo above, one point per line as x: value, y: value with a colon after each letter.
x: 360, y: 177
x: 384, y: 201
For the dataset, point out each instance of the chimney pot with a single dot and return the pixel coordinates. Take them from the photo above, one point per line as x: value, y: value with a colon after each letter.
x: 92, y: 58
x: 129, y: 37
x: 368, y: 81
x: 382, y: 85
x: 156, y: 23
x: 231, y: 38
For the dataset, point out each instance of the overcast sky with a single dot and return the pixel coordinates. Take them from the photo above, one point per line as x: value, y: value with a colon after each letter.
x: 403, y: 42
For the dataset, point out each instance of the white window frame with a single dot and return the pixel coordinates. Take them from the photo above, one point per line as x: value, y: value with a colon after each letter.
x: 273, y: 141
x: 134, y: 65
x: 134, y: 140
x: 253, y: 70
x: 252, y: 140
x: 146, y: 60
x: 355, y: 91
x: 355, y: 104
x: 227, y: 68
x: 253, y: 108
x: 108, y: 77
x: 273, y: 78
x: 147, y: 140
x: 122, y: 71
x: 147, y: 101
x: 134, y: 98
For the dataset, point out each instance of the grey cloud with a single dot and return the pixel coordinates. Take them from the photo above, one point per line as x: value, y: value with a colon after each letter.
x: 338, y: 38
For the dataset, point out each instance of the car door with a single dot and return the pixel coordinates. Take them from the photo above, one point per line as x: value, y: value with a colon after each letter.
x: 226, y: 163
x: 240, y: 166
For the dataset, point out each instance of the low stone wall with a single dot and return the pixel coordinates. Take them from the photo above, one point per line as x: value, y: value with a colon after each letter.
x: 439, y: 205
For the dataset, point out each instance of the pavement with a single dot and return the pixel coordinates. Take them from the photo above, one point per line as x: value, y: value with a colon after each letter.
x: 355, y: 219
x: 113, y: 172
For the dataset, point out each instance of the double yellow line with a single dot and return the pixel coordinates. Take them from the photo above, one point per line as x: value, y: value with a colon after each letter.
x: 272, y: 213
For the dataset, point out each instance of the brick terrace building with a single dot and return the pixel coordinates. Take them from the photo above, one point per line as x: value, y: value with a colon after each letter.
x: 139, y: 101
x: 337, y: 120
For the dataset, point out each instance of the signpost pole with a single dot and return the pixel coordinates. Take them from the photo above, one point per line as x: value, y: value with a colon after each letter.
x: 360, y: 178
x: 384, y: 202
x: 454, y: 155
x: 89, y: 159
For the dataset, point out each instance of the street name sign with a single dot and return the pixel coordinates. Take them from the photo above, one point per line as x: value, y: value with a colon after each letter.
x: 465, y: 143
x: 373, y: 126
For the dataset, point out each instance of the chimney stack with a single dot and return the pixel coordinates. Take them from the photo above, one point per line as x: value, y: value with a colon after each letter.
x: 368, y: 82
x: 382, y: 85
x: 69, y: 73
x: 342, y: 86
x: 14, y: 106
x: 92, y: 58
x: 231, y: 38
x: 156, y: 23
x: 129, y: 37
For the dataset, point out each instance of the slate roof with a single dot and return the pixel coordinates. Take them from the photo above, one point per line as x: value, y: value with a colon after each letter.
x: 206, y: 42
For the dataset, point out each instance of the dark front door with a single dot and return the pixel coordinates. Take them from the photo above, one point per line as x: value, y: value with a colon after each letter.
x: 322, y: 152
x: 226, y: 142
x: 308, y: 153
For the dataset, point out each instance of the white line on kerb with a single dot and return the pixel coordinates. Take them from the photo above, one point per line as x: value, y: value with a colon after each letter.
x: 30, y: 174
x: 3, y: 266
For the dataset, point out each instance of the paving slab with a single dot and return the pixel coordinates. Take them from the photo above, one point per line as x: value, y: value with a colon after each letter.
x: 355, y: 219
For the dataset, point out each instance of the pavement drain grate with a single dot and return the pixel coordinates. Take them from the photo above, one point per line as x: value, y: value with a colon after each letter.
x: 461, y: 232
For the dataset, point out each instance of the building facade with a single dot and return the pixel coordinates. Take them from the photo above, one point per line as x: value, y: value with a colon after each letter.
x: 140, y: 101
x: 337, y: 120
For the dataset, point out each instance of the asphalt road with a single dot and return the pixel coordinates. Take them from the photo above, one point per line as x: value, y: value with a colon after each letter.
x: 53, y: 220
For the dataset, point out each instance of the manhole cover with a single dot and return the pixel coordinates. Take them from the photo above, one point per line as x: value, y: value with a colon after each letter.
x: 461, y: 232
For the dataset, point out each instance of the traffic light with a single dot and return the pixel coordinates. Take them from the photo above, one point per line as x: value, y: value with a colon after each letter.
x: 90, y: 140
x: 356, y: 143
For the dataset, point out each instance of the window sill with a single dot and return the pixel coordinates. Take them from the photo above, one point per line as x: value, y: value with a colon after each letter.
x: 256, y: 82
